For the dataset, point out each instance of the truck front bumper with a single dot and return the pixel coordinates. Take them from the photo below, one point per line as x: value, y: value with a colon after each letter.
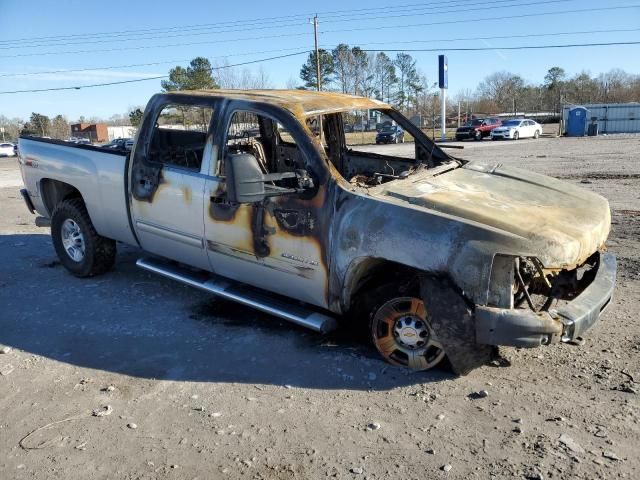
x: 526, y: 328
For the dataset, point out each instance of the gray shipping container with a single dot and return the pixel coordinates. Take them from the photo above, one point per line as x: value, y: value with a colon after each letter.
x: 611, y: 117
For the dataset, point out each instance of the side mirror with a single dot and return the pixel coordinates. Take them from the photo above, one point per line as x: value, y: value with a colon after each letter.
x: 247, y: 184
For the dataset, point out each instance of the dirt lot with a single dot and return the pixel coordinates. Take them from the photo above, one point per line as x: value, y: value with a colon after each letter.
x: 201, y: 388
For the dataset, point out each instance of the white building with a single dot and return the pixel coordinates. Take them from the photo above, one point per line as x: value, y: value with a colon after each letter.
x: 126, y: 131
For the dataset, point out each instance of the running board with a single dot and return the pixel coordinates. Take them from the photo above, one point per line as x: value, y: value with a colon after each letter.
x: 243, y: 294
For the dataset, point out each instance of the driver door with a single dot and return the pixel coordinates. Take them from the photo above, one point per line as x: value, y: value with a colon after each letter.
x: 277, y: 244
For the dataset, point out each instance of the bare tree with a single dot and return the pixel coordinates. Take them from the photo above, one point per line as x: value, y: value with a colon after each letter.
x: 385, y: 76
x: 501, y: 88
x: 59, y: 128
x: 407, y: 75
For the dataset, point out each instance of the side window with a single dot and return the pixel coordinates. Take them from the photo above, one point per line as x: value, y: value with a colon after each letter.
x: 180, y: 135
x: 264, y: 138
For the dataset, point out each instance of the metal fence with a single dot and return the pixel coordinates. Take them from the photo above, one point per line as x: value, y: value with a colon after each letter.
x: 611, y: 118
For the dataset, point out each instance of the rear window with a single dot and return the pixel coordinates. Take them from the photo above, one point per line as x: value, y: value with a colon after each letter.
x: 180, y: 135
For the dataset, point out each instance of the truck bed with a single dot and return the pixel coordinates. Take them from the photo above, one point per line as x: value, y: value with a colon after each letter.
x: 50, y: 166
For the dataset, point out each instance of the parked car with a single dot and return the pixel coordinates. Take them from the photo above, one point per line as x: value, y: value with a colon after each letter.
x: 120, y: 144
x: 430, y: 255
x: 390, y: 134
x: 7, y: 150
x: 348, y: 128
x: 517, y: 128
x: 382, y: 125
x: 478, y: 128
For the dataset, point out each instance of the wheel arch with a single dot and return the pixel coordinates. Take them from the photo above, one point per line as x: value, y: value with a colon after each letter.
x: 55, y: 191
x: 366, y: 272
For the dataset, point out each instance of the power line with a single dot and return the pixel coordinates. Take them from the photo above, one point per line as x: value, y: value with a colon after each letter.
x: 495, y: 37
x: 508, y: 17
x: 501, y: 37
x: 521, y: 47
x: 136, y: 80
x: 131, y: 65
x: 261, y: 21
x: 145, y: 47
x: 262, y: 26
x: 292, y: 34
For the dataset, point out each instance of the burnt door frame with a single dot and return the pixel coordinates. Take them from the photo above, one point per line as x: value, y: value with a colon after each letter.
x: 281, y: 243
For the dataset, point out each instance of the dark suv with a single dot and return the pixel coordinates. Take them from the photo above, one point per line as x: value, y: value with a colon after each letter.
x: 390, y: 134
x: 478, y: 128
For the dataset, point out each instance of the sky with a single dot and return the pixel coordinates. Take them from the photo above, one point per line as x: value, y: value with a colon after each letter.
x: 44, y: 36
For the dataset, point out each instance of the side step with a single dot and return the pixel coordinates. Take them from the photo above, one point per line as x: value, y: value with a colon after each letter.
x: 237, y: 292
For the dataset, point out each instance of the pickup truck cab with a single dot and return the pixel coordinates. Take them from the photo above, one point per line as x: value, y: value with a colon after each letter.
x: 259, y: 197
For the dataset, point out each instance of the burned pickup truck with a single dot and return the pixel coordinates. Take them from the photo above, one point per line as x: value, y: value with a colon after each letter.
x: 262, y: 198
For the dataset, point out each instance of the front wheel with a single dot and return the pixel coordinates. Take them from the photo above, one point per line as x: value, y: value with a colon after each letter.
x: 401, y: 332
x: 516, y: 136
x: 478, y: 135
x: 81, y: 250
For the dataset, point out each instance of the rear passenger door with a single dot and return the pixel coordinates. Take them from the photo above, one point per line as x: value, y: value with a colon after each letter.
x: 170, y: 222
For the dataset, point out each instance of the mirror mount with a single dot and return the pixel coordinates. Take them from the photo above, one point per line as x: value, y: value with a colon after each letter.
x: 247, y: 184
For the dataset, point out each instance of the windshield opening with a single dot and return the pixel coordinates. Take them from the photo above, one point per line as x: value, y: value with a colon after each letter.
x: 371, y: 147
x: 511, y: 123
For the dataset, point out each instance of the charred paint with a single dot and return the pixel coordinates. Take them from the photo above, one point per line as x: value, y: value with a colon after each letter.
x: 220, y: 210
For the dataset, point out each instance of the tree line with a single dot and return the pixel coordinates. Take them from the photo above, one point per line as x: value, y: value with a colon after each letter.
x: 395, y: 80
x: 399, y: 82
x: 508, y: 92
x: 351, y: 70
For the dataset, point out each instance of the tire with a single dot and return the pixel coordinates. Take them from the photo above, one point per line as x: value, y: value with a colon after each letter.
x: 395, y: 140
x: 399, y: 328
x: 453, y: 323
x: 478, y: 135
x: 516, y: 135
x: 80, y: 249
x: 536, y: 135
x: 402, y: 141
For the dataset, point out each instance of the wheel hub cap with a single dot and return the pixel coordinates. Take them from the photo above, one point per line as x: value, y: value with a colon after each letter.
x: 403, y: 336
x: 73, y: 240
x: 411, y: 331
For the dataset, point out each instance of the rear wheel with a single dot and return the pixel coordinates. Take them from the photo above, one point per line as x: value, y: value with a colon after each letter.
x: 401, y: 332
x: 536, y: 134
x: 81, y: 250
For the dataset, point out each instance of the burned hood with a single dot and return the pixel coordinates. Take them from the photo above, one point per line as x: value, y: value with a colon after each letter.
x: 556, y: 221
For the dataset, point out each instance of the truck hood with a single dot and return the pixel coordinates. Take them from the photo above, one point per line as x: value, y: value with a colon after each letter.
x: 556, y: 221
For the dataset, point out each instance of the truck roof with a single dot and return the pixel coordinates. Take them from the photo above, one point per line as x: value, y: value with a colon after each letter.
x: 301, y: 103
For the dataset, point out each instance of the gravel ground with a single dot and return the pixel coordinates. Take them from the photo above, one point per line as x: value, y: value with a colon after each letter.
x: 186, y: 386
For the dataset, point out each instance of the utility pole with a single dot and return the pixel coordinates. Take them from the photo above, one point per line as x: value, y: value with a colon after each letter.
x: 458, y: 114
x: 315, y: 35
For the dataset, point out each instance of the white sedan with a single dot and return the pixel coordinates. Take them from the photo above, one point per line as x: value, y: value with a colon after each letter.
x: 518, y: 128
x: 6, y: 150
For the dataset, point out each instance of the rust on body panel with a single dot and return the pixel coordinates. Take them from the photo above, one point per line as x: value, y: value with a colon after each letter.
x: 186, y: 193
